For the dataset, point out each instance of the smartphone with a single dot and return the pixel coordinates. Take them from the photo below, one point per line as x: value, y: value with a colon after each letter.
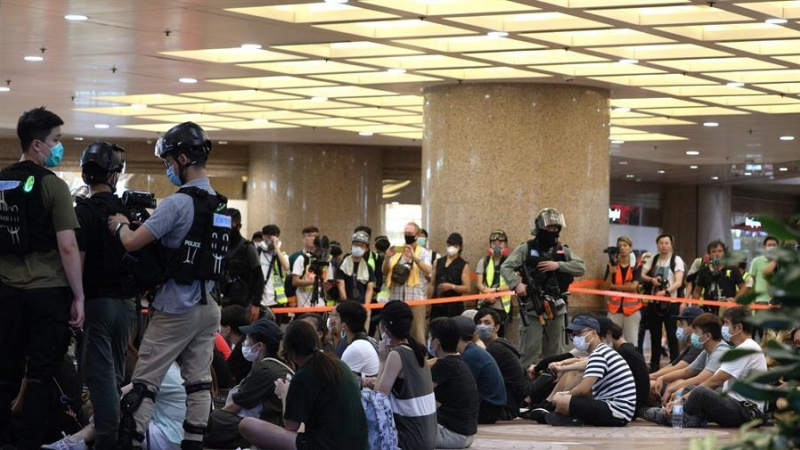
x: 399, y: 248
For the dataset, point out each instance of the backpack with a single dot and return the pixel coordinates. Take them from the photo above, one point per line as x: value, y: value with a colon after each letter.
x: 236, y: 287
x: 382, y: 430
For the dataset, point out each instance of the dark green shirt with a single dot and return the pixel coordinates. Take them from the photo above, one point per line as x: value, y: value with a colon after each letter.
x: 258, y: 387
x: 333, y: 415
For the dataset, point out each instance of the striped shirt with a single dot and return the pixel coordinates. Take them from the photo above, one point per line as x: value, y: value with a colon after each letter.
x: 615, y: 384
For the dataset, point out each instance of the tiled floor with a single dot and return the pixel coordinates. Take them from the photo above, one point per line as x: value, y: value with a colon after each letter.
x: 639, y: 435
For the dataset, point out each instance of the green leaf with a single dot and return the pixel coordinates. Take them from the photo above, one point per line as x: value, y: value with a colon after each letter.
x: 776, y: 227
x: 748, y: 298
x: 774, y: 374
x: 756, y: 393
x: 733, y: 355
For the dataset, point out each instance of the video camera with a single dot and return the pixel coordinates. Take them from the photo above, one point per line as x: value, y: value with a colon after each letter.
x: 138, y: 203
x: 613, y: 255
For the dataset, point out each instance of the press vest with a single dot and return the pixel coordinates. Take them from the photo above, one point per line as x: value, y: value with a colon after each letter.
x: 488, y: 280
x: 26, y: 226
x: 627, y: 304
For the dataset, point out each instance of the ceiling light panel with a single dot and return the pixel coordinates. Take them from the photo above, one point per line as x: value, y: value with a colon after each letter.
x: 330, y: 122
x: 481, y: 43
x: 148, y: 99
x: 377, y: 78
x: 395, y: 100
x: 774, y: 109
x: 695, y: 111
x: 643, y: 137
x: 669, y: 79
x: 540, y: 21
x: 304, y: 104
x: 396, y: 29
x: 381, y: 128
x: 187, y: 117
x: 333, y: 92
x: 649, y: 122
x: 160, y: 127
x: 626, y: 114
x: 658, y: 102
x: 791, y: 59
x: 310, y: 67
x: 695, y: 91
x: 783, y: 88
x: 771, y: 47
x: 750, y: 100
x: 451, y: 7
x: 415, y: 109
x: 417, y: 135
x: 340, y: 50
x: 277, y: 82
x: 671, y: 15
x: 122, y: 111
x: 664, y: 51
x: 537, y: 57
x: 213, y: 108
x: 588, y: 4
x: 733, y: 32
x: 313, y: 13
x: 250, y: 125
x: 245, y: 95
x: 620, y: 130
x: 416, y: 62
x: 718, y: 64
x: 398, y: 120
x: 600, y: 69
x: 364, y: 112
x: 231, y: 55
x: 599, y: 38
x: 277, y: 115
x: 781, y: 9
x: 486, y: 73
x: 763, y: 76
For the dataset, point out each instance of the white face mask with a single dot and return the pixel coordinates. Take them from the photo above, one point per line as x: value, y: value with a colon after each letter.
x: 580, y: 344
x: 358, y: 252
x: 249, y: 354
x: 452, y: 250
x: 263, y: 246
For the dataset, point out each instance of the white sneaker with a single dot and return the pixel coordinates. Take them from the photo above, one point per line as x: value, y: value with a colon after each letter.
x: 66, y: 444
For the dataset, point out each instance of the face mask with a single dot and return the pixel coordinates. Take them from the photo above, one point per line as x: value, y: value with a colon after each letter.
x: 484, y: 332
x: 329, y: 323
x: 343, y: 335
x: 546, y: 239
x: 726, y: 333
x: 173, y: 177
x: 430, y: 347
x: 452, y: 250
x: 410, y: 238
x: 358, y: 252
x: 249, y: 354
x: 716, y: 261
x: 56, y: 153
x: 680, y: 334
x: 385, y: 337
x: 580, y: 344
x: 421, y: 241
x: 770, y: 253
x: 263, y: 246
x: 696, y: 341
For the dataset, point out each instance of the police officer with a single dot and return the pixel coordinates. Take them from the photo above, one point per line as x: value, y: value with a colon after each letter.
x: 41, y: 292
x: 552, y: 267
x: 110, y: 291
x: 194, y: 235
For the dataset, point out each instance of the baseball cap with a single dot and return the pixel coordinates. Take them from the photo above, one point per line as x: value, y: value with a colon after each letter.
x: 582, y: 321
x: 264, y: 329
x: 465, y: 326
x: 690, y: 313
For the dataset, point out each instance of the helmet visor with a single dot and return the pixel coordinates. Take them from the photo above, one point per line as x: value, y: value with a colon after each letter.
x: 498, y: 236
x: 550, y: 217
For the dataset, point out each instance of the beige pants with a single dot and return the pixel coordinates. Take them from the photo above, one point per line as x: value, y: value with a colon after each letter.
x: 629, y: 324
x: 189, y: 339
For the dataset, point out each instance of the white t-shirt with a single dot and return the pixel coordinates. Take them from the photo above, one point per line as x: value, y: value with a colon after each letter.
x: 304, y: 293
x: 361, y: 357
x: 269, y: 259
x: 741, y: 367
x: 662, y: 268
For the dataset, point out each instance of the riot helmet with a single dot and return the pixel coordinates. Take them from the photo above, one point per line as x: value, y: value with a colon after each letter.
x: 187, y: 138
x: 99, y: 160
x: 547, y: 217
x: 361, y: 236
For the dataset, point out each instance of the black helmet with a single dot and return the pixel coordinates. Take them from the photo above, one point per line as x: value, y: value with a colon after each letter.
x: 188, y: 138
x: 100, y: 159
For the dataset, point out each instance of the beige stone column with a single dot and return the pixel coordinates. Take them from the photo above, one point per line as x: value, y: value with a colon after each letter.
x: 494, y: 154
x: 333, y: 187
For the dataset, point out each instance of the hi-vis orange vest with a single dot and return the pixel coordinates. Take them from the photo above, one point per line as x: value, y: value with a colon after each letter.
x: 627, y: 304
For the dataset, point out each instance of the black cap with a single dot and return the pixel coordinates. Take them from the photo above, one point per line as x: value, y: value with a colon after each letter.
x: 583, y: 321
x: 264, y: 330
x: 465, y: 326
x: 605, y: 325
x: 690, y: 313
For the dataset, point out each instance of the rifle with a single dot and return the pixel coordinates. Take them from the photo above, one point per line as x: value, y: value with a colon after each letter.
x: 533, y: 300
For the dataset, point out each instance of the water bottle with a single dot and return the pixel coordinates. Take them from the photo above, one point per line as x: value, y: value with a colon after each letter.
x: 677, y: 411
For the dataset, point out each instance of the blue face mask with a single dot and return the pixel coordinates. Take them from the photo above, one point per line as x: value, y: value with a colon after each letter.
x: 696, y: 341
x: 56, y: 154
x: 726, y: 333
x: 173, y: 177
x: 680, y: 334
x: 421, y: 241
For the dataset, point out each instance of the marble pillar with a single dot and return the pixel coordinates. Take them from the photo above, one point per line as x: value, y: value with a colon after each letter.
x: 713, y: 215
x: 494, y: 154
x: 332, y: 187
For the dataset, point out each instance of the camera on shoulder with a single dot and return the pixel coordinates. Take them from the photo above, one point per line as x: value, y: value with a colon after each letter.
x: 138, y: 203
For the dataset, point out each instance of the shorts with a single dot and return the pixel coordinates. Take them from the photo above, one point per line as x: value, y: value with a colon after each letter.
x: 594, y: 412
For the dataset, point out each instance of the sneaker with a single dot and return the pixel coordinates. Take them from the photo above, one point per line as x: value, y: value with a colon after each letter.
x: 66, y: 444
x: 539, y: 415
x: 560, y: 420
x: 657, y: 415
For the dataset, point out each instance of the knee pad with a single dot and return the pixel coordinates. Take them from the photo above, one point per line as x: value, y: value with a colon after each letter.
x: 191, y: 445
x: 194, y: 429
x: 197, y: 387
x: 129, y: 403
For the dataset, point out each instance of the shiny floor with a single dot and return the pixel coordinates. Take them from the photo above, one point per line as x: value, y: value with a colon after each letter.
x: 522, y: 434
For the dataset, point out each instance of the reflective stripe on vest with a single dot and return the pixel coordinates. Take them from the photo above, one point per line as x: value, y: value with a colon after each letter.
x: 277, y: 283
x: 628, y: 305
x: 504, y: 300
x: 371, y: 260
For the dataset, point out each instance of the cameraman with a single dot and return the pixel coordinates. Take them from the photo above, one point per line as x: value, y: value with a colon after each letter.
x: 312, y: 274
x: 717, y: 281
x: 623, y: 275
x: 193, y: 236
x: 110, y: 305
x: 552, y: 267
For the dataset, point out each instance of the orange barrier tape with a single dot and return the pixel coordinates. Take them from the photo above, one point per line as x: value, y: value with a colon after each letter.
x: 660, y: 298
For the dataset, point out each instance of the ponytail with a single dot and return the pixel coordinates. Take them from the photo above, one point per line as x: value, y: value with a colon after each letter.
x: 419, y: 351
x: 327, y: 368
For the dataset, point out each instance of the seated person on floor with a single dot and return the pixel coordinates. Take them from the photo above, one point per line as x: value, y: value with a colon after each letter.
x: 232, y: 318
x: 606, y: 395
x: 453, y: 386
x: 361, y: 353
x: 255, y: 395
x: 491, y: 389
x: 689, y: 353
x: 542, y: 378
x: 729, y: 409
x: 612, y: 335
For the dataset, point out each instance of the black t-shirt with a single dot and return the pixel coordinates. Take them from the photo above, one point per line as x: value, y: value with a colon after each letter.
x: 354, y: 289
x: 457, y: 394
x: 641, y: 374
x: 719, y: 284
x: 507, y: 359
x: 689, y: 354
x: 239, y: 366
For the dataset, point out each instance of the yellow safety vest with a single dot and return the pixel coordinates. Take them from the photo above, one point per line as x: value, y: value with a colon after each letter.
x: 505, y: 300
x: 277, y: 282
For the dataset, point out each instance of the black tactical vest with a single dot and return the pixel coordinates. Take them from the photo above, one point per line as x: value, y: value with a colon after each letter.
x: 549, y: 281
x: 26, y: 226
